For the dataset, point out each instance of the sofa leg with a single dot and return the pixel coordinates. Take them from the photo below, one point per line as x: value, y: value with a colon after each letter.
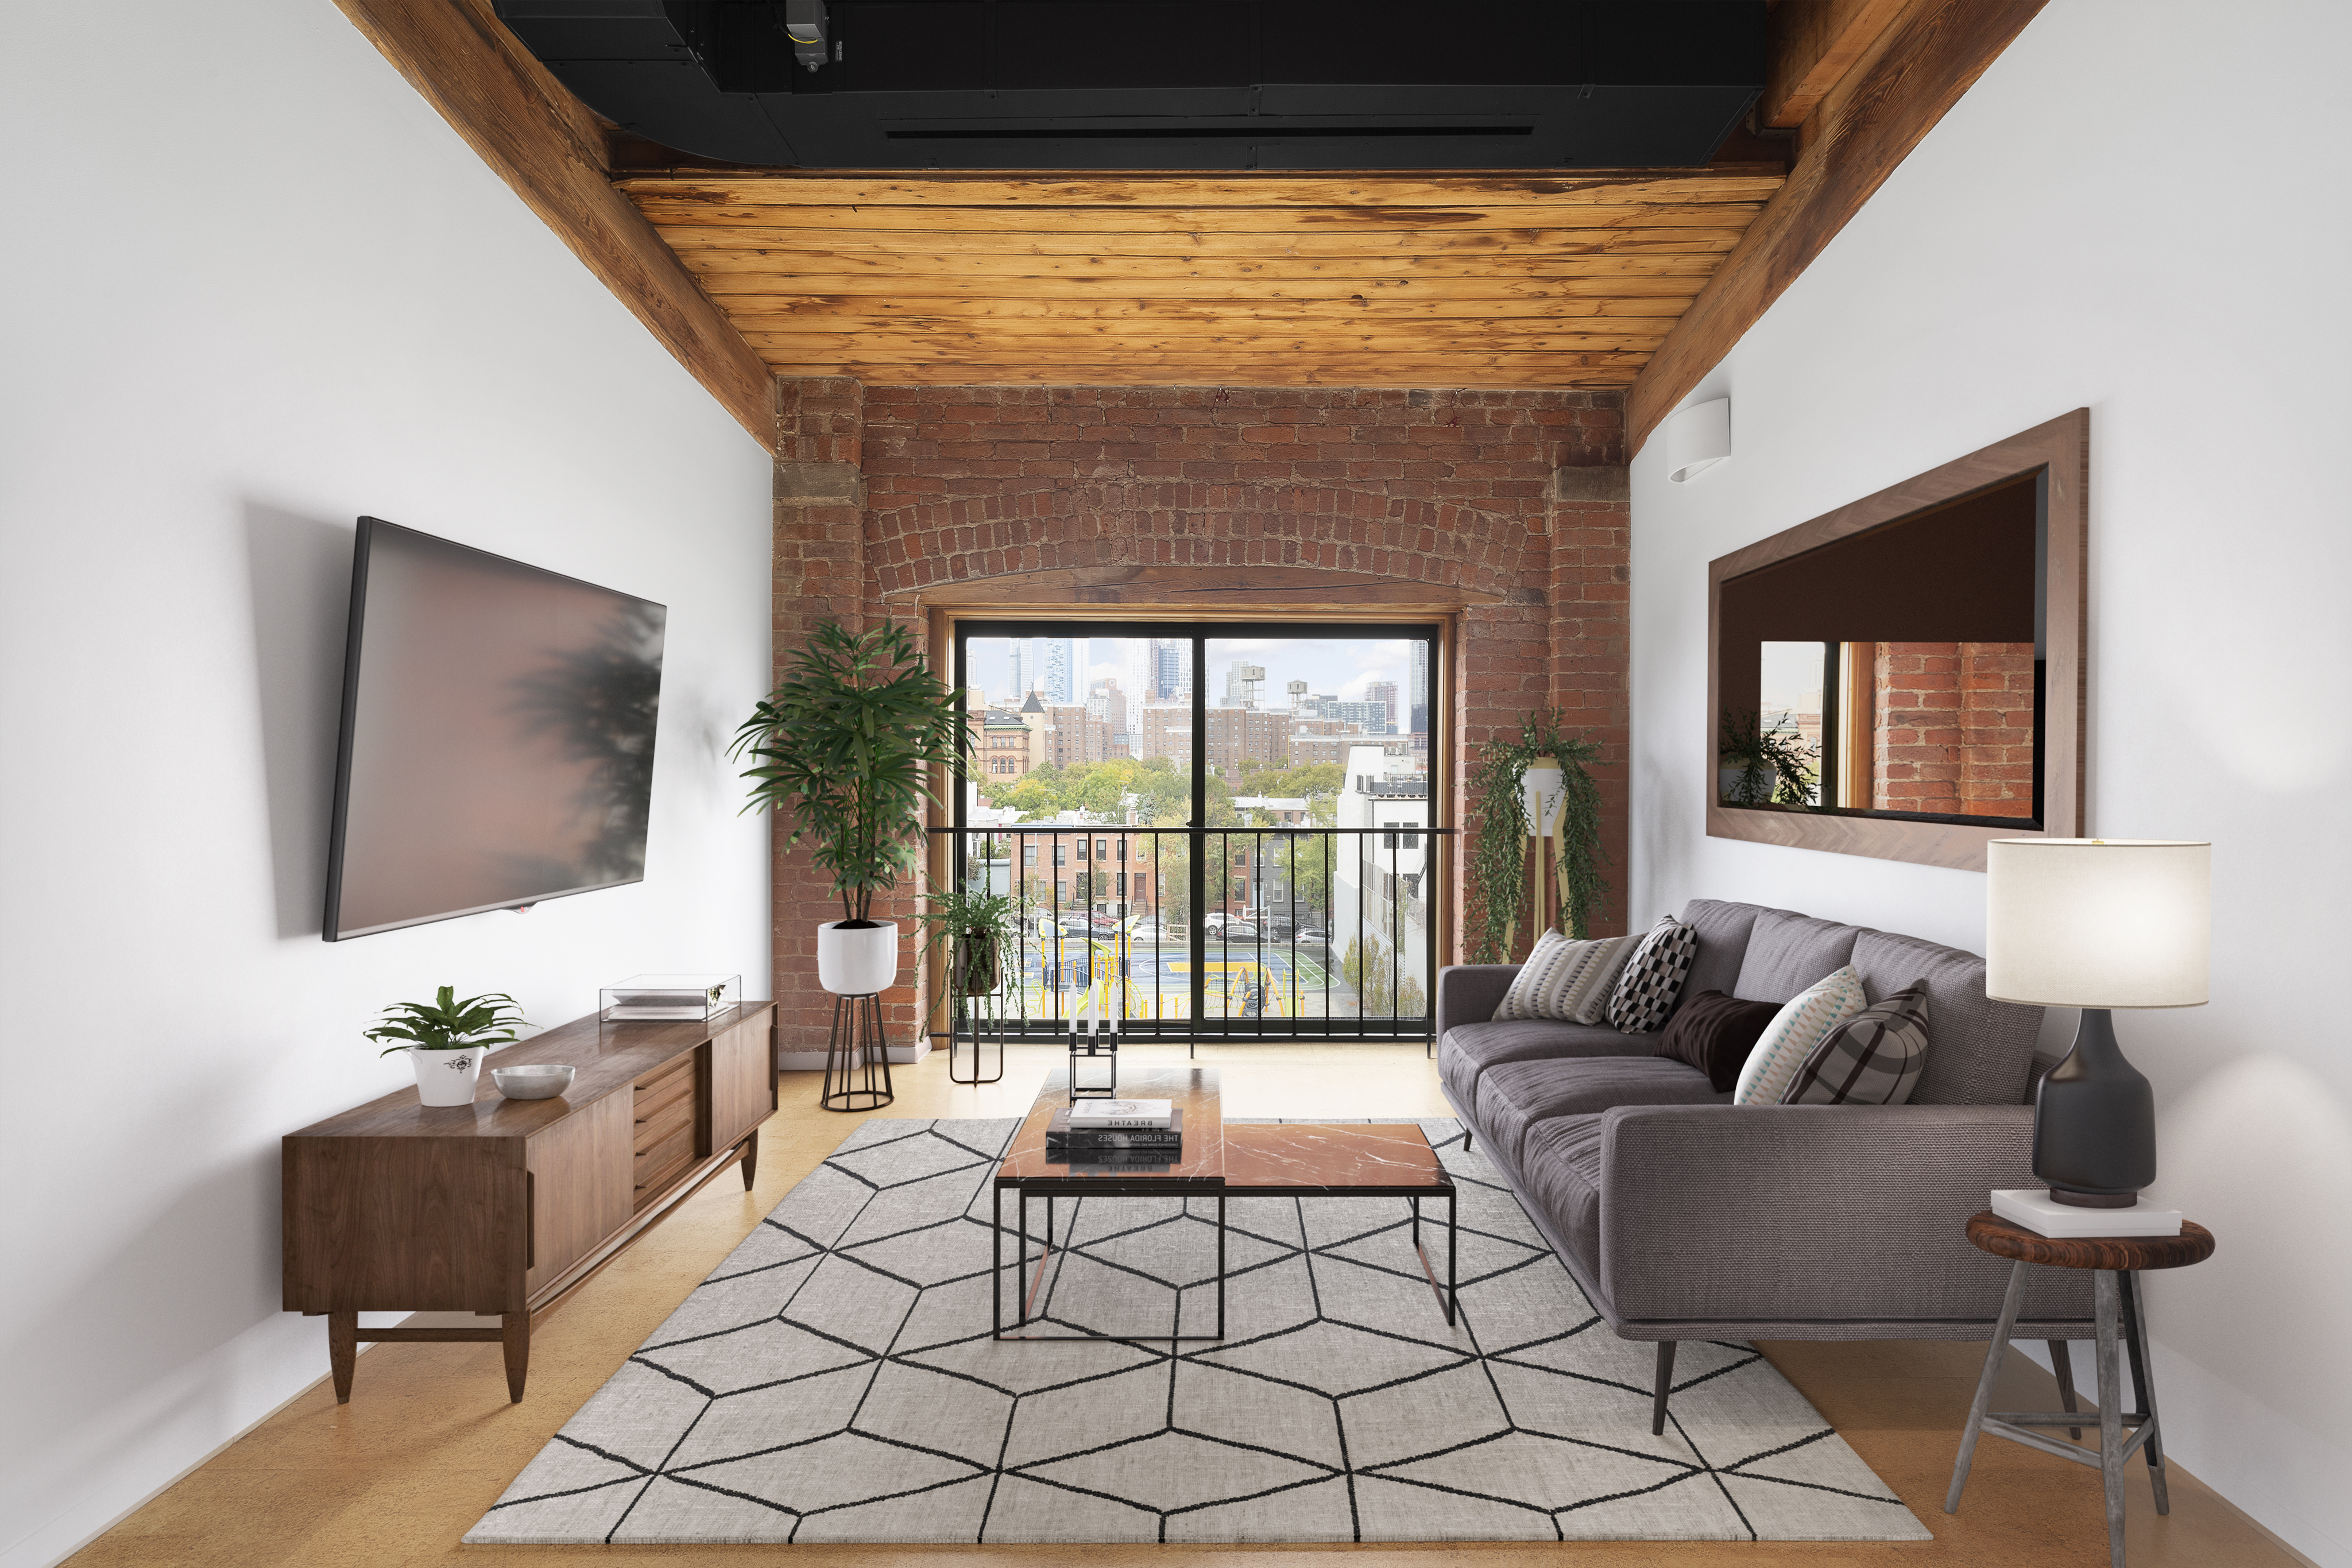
x: 1665, y: 1385
x: 1466, y: 1137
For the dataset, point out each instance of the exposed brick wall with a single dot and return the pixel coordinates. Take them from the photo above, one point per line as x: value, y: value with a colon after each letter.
x: 1955, y: 733
x: 1516, y: 493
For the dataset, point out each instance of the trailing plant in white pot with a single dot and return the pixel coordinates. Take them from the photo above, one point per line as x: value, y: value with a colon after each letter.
x: 846, y: 745
x: 447, y: 1038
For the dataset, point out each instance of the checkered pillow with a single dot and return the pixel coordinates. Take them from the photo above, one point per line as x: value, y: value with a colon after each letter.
x: 1790, y: 1038
x: 1873, y: 1058
x: 1565, y: 980
x: 1653, y: 978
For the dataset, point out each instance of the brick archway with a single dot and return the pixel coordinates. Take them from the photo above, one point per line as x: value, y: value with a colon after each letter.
x: 1510, y: 506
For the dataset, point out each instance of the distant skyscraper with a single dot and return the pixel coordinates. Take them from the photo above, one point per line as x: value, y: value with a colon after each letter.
x: 1055, y: 677
x: 1417, y: 693
x: 1018, y: 648
x: 1385, y: 693
x: 1171, y: 670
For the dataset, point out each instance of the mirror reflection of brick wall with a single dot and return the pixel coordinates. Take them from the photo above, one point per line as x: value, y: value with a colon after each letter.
x: 1955, y: 728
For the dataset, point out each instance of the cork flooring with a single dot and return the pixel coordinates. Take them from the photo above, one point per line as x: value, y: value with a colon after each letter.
x: 394, y: 1478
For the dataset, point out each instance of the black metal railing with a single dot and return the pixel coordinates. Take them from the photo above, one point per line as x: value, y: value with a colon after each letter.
x: 1212, y: 934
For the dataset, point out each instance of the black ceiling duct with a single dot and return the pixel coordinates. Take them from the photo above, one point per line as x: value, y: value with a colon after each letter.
x: 1162, y: 84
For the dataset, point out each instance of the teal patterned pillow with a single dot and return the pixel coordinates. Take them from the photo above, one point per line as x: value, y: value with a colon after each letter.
x: 1800, y: 1026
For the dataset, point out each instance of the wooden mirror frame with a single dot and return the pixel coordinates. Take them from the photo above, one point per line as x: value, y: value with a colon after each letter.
x: 2061, y: 449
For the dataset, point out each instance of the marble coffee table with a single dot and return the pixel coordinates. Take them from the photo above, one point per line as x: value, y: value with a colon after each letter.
x: 1218, y: 1161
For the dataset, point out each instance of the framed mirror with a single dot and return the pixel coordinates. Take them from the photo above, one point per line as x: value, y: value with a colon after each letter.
x: 1902, y: 677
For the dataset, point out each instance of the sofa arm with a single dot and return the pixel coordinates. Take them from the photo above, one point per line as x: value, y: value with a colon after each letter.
x: 1469, y: 993
x: 1814, y: 1214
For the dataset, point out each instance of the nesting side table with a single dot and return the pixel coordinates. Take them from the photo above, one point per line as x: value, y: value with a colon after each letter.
x: 2122, y: 1318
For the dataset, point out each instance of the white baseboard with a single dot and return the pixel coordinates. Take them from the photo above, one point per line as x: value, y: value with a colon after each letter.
x: 813, y: 1060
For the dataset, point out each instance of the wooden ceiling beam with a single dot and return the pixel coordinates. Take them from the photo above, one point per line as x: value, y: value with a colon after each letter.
x: 1340, y: 193
x: 550, y: 149
x: 1813, y: 43
x: 1865, y: 126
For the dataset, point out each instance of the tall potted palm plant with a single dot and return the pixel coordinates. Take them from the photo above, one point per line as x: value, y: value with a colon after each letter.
x: 846, y: 744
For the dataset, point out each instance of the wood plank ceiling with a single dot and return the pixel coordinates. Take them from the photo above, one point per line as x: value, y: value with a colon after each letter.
x: 1450, y: 281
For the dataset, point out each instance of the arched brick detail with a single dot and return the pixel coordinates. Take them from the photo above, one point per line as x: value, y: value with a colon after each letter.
x: 1517, y: 495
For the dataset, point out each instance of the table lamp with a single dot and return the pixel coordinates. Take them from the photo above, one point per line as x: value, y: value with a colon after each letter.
x: 2096, y: 924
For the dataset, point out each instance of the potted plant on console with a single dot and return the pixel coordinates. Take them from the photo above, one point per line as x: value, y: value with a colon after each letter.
x: 846, y: 744
x: 447, y: 1038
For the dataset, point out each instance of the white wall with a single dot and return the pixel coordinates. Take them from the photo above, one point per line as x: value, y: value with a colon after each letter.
x: 2141, y: 212
x: 254, y: 286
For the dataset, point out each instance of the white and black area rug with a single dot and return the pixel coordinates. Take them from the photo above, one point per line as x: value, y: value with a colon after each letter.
x: 835, y: 1380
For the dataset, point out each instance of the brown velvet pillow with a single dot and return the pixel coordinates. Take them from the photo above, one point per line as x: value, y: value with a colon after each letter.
x: 1714, y: 1033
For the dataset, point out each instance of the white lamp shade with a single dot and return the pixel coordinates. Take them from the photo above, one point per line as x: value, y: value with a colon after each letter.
x: 2098, y: 923
x: 1698, y: 439
x: 1541, y: 788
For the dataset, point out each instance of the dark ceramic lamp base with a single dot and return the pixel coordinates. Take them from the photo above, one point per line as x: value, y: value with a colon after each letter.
x: 2095, y: 1122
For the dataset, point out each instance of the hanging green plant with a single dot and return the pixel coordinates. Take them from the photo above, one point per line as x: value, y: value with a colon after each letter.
x: 1499, y: 880
x: 1775, y: 767
x: 978, y: 930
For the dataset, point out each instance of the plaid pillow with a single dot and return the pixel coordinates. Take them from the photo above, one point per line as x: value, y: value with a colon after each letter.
x: 1653, y: 978
x: 1565, y: 980
x: 1875, y: 1057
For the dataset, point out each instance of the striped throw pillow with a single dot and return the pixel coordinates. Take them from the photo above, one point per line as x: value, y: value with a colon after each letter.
x: 1875, y: 1057
x: 1651, y: 980
x: 1790, y: 1038
x: 1565, y: 980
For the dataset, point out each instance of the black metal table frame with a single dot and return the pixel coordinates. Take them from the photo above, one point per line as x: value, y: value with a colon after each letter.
x: 1448, y: 1297
x: 1056, y: 1187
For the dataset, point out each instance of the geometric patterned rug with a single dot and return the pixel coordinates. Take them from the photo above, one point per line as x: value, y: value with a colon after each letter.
x: 834, y: 1380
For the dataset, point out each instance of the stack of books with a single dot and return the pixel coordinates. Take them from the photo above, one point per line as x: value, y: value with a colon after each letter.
x: 1118, y: 1132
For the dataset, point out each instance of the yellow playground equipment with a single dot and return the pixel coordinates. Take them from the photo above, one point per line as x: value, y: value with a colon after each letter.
x: 1236, y: 988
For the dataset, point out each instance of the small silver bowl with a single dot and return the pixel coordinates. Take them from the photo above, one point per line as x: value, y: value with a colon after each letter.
x: 531, y: 1083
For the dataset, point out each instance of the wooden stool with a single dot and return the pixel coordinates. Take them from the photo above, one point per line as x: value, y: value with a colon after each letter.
x: 2118, y: 1261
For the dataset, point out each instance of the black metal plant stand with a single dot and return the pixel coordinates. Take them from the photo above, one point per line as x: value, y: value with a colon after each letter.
x: 858, y: 1052
x: 964, y: 1015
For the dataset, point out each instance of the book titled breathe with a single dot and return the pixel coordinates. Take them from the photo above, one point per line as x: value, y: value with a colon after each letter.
x: 1110, y: 1115
x: 1061, y: 1136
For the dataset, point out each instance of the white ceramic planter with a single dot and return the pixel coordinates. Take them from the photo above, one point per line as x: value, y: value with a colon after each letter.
x: 856, y: 962
x: 448, y: 1077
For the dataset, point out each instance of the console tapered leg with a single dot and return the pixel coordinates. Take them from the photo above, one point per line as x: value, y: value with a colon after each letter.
x: 342, y: 1351
x: 516, y: 1338
x: 751, y: 1159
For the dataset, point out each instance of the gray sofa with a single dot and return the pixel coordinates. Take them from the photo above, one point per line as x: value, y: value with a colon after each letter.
x: 1684, y: 1217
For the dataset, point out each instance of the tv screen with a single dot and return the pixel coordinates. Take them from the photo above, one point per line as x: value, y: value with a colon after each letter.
x: 498, y: 736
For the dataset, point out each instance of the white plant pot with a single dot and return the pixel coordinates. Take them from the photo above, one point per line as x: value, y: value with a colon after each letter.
x: 448, y: 1077
x: 856, y: 962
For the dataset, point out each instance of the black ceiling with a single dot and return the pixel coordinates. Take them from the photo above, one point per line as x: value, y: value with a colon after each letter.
x: 1164, y: 84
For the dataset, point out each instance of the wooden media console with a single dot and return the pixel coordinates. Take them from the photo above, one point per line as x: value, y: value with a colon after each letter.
x: 502, y: 1207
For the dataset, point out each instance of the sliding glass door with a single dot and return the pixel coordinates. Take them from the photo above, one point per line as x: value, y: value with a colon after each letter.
x: 1209, y: 830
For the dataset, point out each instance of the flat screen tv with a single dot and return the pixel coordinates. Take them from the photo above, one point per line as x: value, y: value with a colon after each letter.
x: 497, y: 735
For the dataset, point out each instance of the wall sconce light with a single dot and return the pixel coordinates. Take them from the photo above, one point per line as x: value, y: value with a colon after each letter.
x: 1698, y: 439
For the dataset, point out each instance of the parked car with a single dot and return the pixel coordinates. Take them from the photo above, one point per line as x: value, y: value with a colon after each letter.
x: 1235, y: 931
x: 1313, y: 936
x: 1215, y: 920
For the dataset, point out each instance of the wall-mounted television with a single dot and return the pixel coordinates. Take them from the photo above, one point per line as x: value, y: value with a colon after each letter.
x: 497, y: 735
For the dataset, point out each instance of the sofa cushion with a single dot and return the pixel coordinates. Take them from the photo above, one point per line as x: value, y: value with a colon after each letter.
x: 1560, y: 1175
x: 1468, y: 1049
x: 1514, y: 1095
x: 1979, y: 1051
x: 1723, y: 930
x: 1790, y: 953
